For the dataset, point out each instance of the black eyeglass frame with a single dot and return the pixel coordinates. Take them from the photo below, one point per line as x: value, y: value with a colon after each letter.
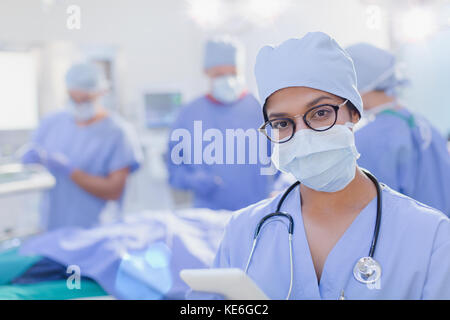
x: 336, y: 108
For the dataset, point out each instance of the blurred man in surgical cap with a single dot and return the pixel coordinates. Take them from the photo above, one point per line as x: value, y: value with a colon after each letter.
x: 401, y: 148
x: 90, y: 151
x: 227, y: 182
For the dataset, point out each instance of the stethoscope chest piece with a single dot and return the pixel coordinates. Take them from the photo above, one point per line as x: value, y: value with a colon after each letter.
x: 367, y: 270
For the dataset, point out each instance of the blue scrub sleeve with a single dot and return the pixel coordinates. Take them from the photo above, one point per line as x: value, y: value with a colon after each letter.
x: 187, y: 176
x: 31, y: 156
x: 437, y: 284
x: 37, y: 139
x: 126, y: 152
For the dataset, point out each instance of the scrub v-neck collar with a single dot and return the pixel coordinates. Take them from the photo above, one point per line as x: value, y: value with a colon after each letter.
x: 338, y: 266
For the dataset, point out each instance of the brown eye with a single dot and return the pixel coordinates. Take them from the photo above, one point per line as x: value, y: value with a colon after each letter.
x: 322, y: 113
x: 279, y: 124
x: 321, y: 118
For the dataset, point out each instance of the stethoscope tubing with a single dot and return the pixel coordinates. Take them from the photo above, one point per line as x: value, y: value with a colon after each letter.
x: 278, y: 213
x: 378, y: 218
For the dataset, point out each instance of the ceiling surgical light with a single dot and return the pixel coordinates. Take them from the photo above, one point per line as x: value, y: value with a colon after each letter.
x: 235, y: 15
x: 206, y: 13
x: 417, y: 24
x: 374, y: 17
x: 263, y: 12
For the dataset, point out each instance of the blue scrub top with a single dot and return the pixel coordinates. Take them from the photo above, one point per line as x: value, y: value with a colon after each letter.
x: 98, y: 149
x: 413, y: 250
x: 243, y: 184
x: 405, y: 152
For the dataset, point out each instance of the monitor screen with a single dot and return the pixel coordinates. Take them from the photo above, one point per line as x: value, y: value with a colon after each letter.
x: 161, y: 108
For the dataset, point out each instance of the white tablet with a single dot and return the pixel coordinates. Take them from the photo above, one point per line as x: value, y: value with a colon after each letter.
x: 232, y: 283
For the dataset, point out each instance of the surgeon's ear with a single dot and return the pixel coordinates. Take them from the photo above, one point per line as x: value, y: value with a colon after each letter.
x: 352, y: 113
x: 355, y: 116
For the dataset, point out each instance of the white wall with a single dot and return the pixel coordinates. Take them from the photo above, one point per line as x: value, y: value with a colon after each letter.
x: 158, y: 46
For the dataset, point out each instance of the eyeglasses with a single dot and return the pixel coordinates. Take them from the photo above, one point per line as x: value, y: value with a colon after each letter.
x: 318, y: 118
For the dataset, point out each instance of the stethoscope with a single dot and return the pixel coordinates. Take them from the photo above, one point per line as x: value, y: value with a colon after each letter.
x: 367, y: 270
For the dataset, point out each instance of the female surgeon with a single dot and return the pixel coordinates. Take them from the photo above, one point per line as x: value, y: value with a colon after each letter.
x: 350, y: 237
x: 89, y: 151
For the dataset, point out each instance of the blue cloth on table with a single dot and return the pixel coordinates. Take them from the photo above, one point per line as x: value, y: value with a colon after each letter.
x: 43, y: 270
x: 140, y: 258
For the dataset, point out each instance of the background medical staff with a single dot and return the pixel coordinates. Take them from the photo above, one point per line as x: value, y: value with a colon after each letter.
x: 401, y: 148
x: 226, y: 106
x: 90, y: 151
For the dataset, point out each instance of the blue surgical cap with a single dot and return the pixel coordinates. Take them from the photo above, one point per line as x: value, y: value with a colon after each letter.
x: 314, y: 61
x: 222, y: 51
x: 375, y: 68
x: 85, y: 77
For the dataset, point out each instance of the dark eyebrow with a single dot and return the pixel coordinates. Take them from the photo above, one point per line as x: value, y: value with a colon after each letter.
x: 309, y: 105
x: 317, y: 100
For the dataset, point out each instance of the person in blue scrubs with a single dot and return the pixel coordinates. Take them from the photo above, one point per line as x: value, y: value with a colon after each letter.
x: 310, y: 102
x: 401, y: 148
x: 90, y: 151
x: 234, y: 180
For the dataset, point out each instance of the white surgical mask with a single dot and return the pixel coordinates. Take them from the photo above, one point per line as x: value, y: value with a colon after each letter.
x: 82, y: 111
x: 227, y: 89
x: 323, y: 161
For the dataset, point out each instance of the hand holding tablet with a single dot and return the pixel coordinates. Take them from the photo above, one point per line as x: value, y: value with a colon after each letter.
x: 232, y: 283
